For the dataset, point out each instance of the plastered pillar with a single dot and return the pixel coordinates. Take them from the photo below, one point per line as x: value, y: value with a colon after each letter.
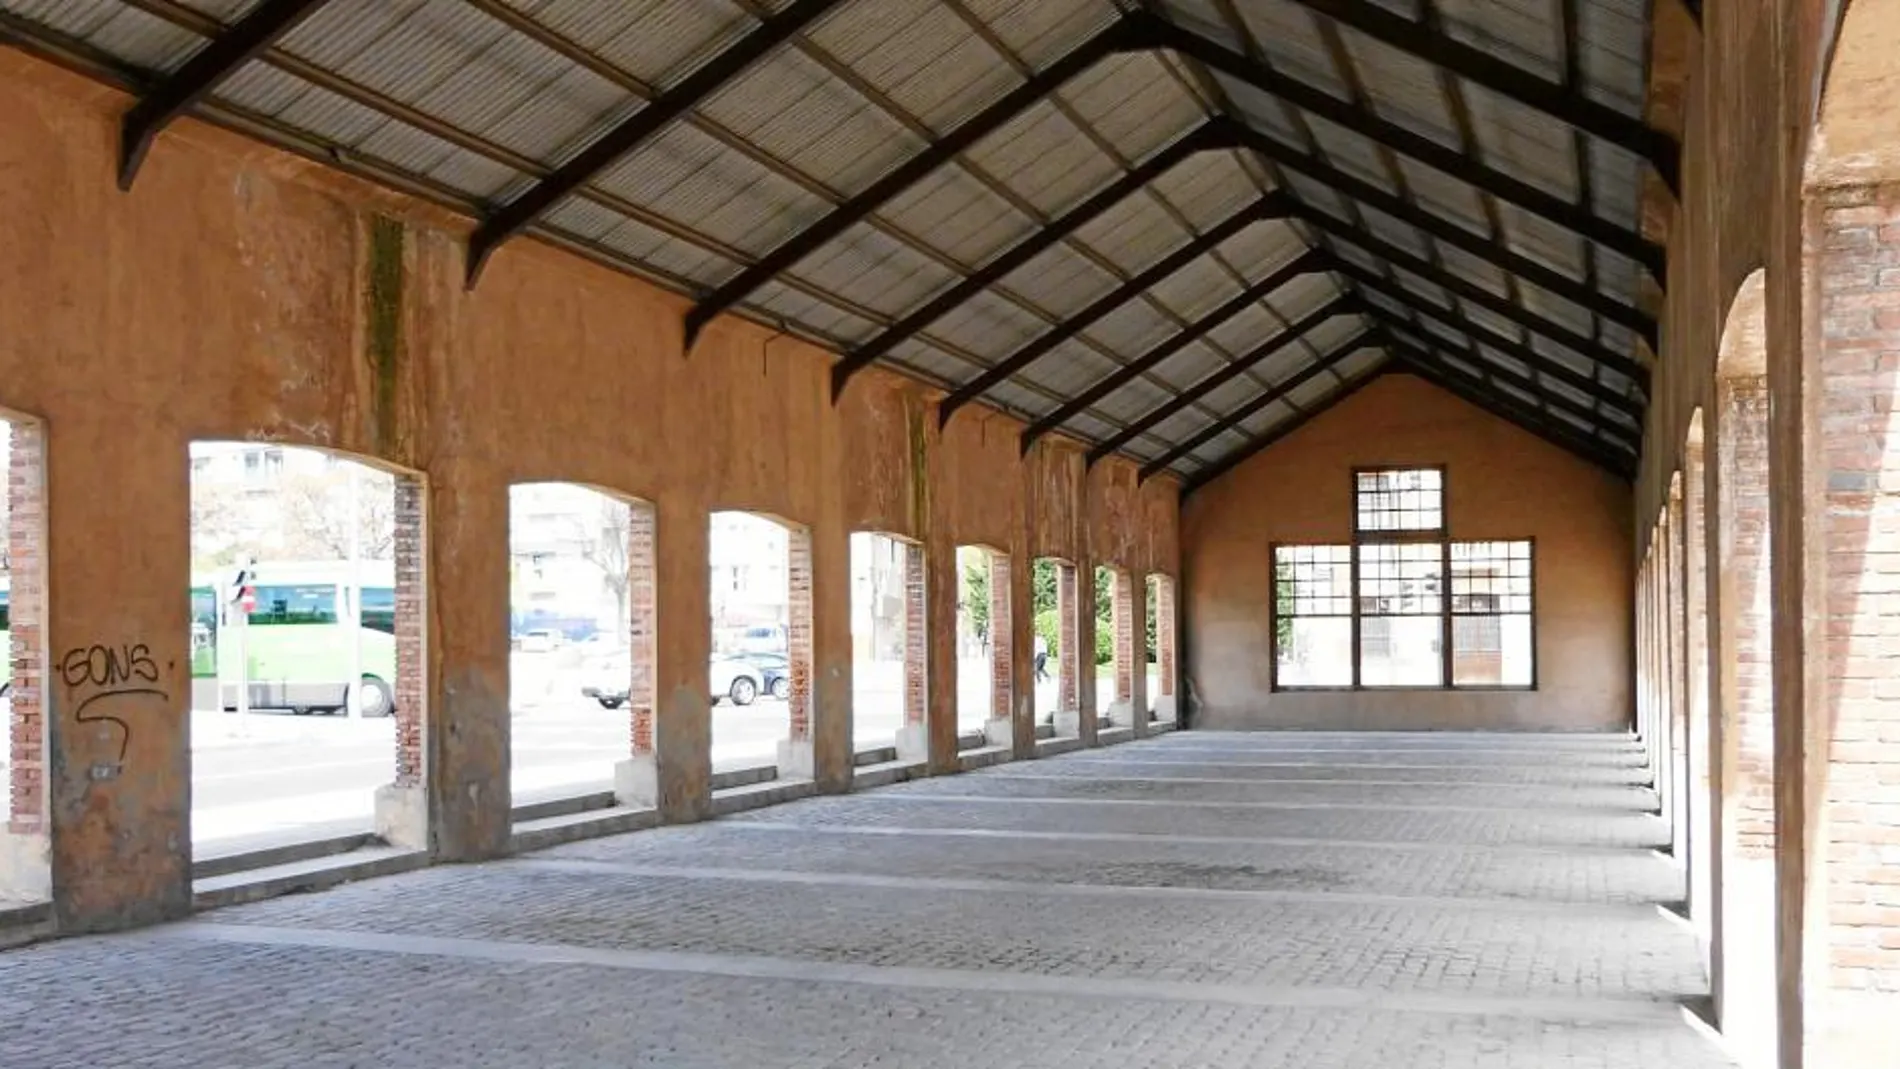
x: 466, y: 725
x: 118, y: 694
x: 683, y: 725
x: 832, y: 713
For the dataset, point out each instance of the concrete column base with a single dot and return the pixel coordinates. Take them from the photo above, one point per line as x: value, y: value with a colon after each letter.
x: 1164, y: 708
x: 913, y: 742
x: 637, y: 781
x: 402, y: 816
x: 797, y: 759
x: 1000, y: 731
x: 1121, y: 714
x: 1068, y: 723
x: 26, y: 867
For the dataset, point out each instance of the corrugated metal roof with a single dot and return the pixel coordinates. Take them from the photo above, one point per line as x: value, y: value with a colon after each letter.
x: 480, y: 98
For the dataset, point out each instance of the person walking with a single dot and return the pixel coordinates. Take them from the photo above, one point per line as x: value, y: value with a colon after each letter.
x: 1042, y: 658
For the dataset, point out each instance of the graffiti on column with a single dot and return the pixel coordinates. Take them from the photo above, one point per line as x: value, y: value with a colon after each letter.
x: 103, y: 682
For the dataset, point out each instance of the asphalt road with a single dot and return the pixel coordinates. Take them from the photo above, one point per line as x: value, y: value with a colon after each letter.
x: 273, y: 777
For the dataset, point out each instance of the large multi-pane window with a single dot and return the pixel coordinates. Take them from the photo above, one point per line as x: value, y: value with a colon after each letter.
x: 1403, y: 605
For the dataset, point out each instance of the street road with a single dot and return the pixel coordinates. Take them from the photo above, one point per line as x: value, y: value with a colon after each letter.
x: 273, y: 777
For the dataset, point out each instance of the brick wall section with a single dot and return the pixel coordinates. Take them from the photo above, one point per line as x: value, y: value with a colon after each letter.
x: 916, y: 636
x: 412, y: 622
x: 1164, y: 636
x: 798, y: 610
x: 26, y: 735
x: 1122, y: 618
x: 1748, y: 730
x: 642, y: 618
x: 1859, y: 274
x: 1002, y: 659
x: 1678, y: 628
x: 1068, y: 698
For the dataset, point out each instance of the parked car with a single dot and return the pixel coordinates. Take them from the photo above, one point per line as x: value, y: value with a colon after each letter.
x: 762, y: 638
x: 730, y: 678
x: 775, y: 673
x: 735, y: 680
x: 540, y: 641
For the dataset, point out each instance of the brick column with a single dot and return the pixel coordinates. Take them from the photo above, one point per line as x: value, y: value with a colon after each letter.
x: 1675, y: 733
x: 1121, y: 615
x: 1699, y: 856
x: 23, y: 860
x: 1850, y: 716
x: 402, y: 810
x: 1164, y: 703
x: 636, y: 778
x: 1742, y: 973
x: 1000, y: 730
x: 795, y: 758
x: 1137, y: 641
x: 1088, y: 705
x: 1068, y: 639
x: 913, y: 739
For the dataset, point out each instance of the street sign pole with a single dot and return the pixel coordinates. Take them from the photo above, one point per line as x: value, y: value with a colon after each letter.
x: 244, y: 601
x: 353, y: 686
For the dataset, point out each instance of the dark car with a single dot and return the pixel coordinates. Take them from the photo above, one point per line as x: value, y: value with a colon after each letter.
x: 774, y: 669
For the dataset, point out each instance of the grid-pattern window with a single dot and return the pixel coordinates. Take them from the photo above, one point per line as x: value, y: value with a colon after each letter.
x: 1399, y: 500
x: 1401, y: 614
x: 1402, y: 605
x: 1312, y: 593
x: 1491, y: 614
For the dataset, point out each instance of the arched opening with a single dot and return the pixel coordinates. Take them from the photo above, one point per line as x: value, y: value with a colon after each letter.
x: 888, y: 658
x: 25, y: 871
x: 986, y: 689
x: 1056, y: 647
x: 1121, y: 690
x: 1741, y: 686
x: 307, y: 619
x: 1161, y: 653
x: 581, y: 642
x: 759, y: 677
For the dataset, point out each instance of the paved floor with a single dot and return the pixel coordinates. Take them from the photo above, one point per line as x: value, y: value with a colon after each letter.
x: 1199, y: 900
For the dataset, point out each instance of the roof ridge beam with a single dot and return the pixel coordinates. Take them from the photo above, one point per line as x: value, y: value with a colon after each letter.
x: 1156, y: 32
x: 1518, y: 379
x: 1456, y: 320
x: 1451, y: 380
x: 207, y: 69
x: 1344, y: 304
x: 1268, y: 207
x: 1469, y: 291
x: 1266, y: 397
x: 894, y: 182
x: 1479, y: 67
x: 1229, y: 461
x: 1206, y: 137
x: 1300, y: 265
x: 1496, y: 253
x: 658, y: 113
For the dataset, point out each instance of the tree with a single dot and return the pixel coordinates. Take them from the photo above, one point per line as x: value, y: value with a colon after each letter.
x: 316, y: 511
x: 217, y: 526
x: 603, y: 544
x: 976, y: 594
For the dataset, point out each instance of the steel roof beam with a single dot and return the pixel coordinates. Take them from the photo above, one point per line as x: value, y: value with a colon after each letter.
x: 1469, y: 291
x: 1456, y: 320
x: 201, y: 74
x: 1207, y: 136
x: 1274, y: 393
x: 1520, y: 379
x: 1480, y: 67
x: 1208, y: 473
x: 1454, y: 381
x: 1341, y: 305
x: 1441, y: 229
x: 1268, y: 207
x: 1247, y: 298
x: 515, y: 216
x: 909, y: 173
x: 1157, y: 33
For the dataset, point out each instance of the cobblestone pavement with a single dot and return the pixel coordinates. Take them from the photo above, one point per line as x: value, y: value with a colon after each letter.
x: 1438, y: 901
